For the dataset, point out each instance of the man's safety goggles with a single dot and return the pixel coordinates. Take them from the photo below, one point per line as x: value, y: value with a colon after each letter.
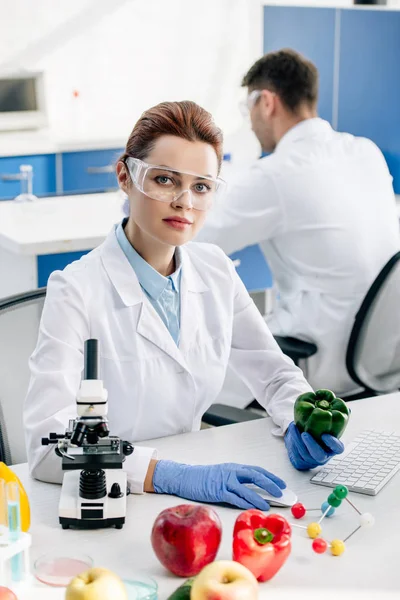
x: 246, y: 106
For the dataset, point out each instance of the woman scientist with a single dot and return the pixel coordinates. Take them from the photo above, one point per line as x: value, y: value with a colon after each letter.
x: 170, y: 316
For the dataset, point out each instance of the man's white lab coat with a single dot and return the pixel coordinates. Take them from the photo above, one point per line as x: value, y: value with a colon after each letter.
x: 323, y: 210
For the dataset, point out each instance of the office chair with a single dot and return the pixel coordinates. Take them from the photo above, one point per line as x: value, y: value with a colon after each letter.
x: 19, y: 325
x: 373, y: 351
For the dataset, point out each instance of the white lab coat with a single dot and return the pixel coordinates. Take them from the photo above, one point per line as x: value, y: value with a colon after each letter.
x: 323, y: 210
x: 155, y: 388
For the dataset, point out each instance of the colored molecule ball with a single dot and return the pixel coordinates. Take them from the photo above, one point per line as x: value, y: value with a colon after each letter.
x: 334, y: 500
x: 319, y: 545
x: 313, y: 530
x: 366, y: 520
x: 324, y: 508
x: 337, y: 547
x: 341, y: 491
x: 298, y: 510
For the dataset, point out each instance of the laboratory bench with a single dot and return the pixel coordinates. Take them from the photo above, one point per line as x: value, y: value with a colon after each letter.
x: 39, y: 237
x: 369, y: 567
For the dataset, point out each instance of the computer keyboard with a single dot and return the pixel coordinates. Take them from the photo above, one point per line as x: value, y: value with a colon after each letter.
x: 366, y: 465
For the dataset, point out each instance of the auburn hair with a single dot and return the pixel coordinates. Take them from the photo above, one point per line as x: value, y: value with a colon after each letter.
x: 185, y: 120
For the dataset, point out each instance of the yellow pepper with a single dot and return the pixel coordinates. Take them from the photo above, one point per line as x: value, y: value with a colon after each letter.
x: 8, y: 475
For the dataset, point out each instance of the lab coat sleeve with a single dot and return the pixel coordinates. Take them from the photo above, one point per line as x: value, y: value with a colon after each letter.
x: 250, y: 212
x: 255, y: 356
x: 56, y: 367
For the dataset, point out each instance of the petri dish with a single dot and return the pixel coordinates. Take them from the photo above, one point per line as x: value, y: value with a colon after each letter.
x: 141, y: 587
x: 58, y: 570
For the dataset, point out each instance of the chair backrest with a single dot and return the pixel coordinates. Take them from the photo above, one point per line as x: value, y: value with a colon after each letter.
x: 373, y: 352
x: 19, y: 324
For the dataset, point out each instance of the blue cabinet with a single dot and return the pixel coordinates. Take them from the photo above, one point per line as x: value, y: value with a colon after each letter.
x: 310, y: 31
x: 44, y: 174
x: 48, y: 263
x: 90, y: 171
x: 253, y: 269
x: 369, y: 80
x: 357, y: 54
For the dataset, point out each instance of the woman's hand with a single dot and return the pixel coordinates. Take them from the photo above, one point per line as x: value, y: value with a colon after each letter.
x: 216, y: 483
x: 305, y: 453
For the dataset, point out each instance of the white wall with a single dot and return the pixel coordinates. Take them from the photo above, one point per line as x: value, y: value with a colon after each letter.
x: 126, y: 55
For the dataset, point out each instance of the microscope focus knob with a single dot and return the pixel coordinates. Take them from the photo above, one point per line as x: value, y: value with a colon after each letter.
x: 127, y: 448
x: 115, y: 491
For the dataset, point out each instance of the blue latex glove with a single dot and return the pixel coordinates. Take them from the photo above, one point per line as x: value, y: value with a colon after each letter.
x: 216, y: 483
x: 305, y: 453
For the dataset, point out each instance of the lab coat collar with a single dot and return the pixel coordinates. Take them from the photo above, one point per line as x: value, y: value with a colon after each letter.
x: 191, y: 278
x: 151, y: 280
x: 305, y: 129
x: 125, y: 280
x: 120, y: 272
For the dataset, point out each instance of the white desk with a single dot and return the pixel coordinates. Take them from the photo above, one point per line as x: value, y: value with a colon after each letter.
x: 43, y: 142
x: 50, y: 226
x: 370, y: 564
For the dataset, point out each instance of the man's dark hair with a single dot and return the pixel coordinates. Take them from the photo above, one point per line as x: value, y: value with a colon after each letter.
x: 288, y: 74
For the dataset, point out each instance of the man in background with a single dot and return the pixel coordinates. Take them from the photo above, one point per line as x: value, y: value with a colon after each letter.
x: 321, y: 206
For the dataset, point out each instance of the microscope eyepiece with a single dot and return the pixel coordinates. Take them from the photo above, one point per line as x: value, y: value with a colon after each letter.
x: 91, y: 359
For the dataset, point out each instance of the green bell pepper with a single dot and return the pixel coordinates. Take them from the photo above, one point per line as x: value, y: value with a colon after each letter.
x: 321, y: 412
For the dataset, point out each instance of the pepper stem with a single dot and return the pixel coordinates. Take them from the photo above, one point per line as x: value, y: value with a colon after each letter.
x: 263, y: 536
x: 323, y: 404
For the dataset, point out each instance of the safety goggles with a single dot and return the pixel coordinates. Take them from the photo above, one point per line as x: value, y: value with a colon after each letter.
x: 167, y: 185
x: 246, y: 106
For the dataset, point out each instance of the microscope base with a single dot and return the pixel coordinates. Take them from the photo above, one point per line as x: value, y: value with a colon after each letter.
x: 105, y: 510
x: 66, y: 523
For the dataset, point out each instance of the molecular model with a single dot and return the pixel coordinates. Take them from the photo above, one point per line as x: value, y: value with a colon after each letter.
x: 319, y: 545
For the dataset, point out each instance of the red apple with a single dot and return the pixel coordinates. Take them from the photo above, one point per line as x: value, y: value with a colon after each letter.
x: 225, y: 580
x: 185, y: 538
x: 7, y: 594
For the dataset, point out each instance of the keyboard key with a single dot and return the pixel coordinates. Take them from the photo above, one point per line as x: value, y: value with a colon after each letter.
x: 329, y: 478
x: 318, y: 477
x: 361, y: 482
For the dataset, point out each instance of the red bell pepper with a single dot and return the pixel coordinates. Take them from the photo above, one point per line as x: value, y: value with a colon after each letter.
x: 261, y: 542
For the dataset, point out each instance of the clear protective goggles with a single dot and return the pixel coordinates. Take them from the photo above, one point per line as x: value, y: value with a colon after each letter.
x: 167, y: 185
x: 246, y: 106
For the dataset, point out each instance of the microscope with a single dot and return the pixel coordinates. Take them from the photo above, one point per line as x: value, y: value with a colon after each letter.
x: 94, y: 488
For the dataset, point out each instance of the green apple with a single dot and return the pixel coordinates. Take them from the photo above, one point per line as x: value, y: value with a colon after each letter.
x: 225, y: 580
x: 96, y: 584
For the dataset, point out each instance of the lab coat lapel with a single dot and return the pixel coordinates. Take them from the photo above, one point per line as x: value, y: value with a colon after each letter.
x: 192, y: 288
x: 151, y: 327
x: 149, y: 324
